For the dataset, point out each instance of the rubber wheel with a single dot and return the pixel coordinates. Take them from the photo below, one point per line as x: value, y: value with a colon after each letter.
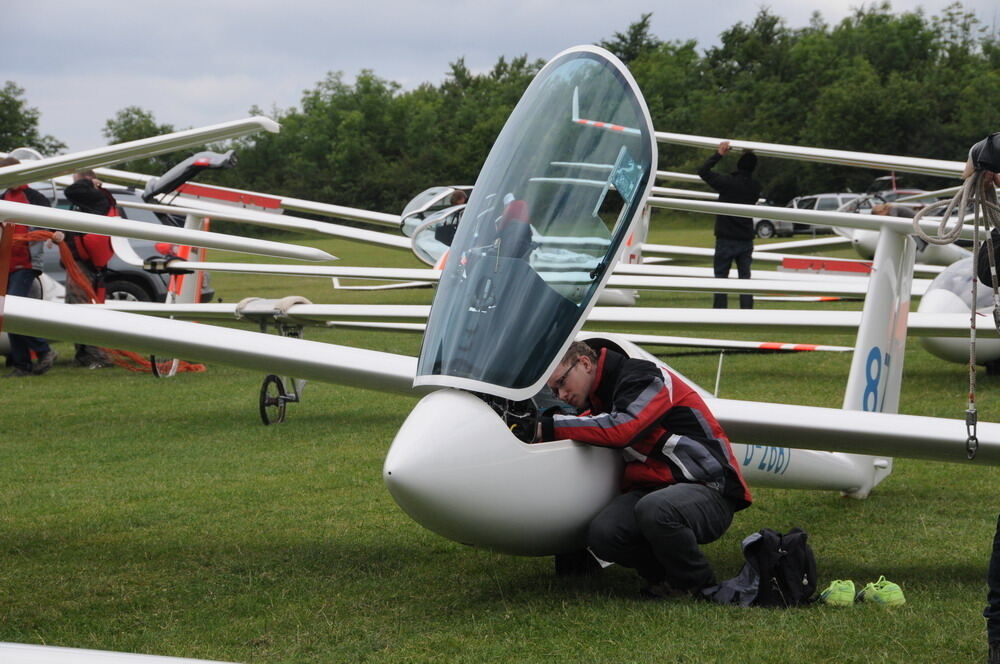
x: 765, y: 229
x: 272, y: 400
x: 163, y: 367
x: 125, y: 290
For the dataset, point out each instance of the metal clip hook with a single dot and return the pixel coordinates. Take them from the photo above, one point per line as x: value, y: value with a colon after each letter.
x: 972, y: 442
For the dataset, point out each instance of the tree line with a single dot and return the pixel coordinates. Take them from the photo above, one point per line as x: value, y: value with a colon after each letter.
x: 877, y: 81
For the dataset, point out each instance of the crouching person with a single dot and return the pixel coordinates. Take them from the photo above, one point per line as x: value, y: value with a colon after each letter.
x: 681, y: 483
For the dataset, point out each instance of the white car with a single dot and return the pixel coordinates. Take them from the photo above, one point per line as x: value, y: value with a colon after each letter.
x: 825, y: 202
x: 768, y: 228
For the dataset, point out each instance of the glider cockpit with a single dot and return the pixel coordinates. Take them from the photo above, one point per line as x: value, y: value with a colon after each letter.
x: 524, y: 269
x: 533, y: 250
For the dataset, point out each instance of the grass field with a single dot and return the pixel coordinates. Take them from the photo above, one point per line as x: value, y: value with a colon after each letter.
x: 162, y: 517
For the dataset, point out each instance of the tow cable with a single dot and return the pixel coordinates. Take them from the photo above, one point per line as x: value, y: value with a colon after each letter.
x: 980, y: 192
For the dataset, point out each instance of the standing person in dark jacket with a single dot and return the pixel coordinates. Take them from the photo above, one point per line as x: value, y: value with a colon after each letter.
x: 25, y: 266
x: 984, y: 157
x: 681, y: 483
x: 733, y: 235
x: 92, y: 253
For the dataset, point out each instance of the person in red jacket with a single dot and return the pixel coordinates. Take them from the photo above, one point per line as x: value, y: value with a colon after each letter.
x: 681, y: 483
x: 92, y: 253
x: 25, y: 266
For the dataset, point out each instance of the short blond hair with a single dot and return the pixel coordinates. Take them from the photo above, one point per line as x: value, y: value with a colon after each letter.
x: 576, y: 350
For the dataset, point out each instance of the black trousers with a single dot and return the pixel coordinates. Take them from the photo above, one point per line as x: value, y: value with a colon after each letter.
x: 992, y: 612
x: 657, y: 533
x: 728, y: 251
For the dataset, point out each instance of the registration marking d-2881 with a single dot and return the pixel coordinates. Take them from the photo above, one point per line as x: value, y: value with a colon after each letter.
x: 769, y: 459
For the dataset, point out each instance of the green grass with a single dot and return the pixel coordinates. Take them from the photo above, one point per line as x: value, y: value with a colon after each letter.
x: 162, y: 517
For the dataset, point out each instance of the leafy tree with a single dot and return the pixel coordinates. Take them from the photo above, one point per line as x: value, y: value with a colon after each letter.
x: 634, y: 42
x: 19, y: 123
x: 877, y: 81
x: 133, y: 123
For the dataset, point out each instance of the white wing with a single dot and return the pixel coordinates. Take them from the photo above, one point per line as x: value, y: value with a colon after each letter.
x: 934, y: 325
x: 209, y: 343
x: 26, y: 172
x: 37, y: 215
x: 747, y: 422
x: 824, y: 155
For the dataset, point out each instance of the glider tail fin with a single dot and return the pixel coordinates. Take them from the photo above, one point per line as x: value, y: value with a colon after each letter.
x: 877, y: 366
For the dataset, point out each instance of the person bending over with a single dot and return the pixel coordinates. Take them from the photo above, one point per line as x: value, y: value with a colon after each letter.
x: 681, y: 483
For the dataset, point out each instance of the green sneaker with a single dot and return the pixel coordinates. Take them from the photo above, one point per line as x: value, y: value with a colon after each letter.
x: 882, y: 592
x: 838, y: 593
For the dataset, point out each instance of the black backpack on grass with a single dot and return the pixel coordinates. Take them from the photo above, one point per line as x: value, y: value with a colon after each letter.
x: 780, y: 571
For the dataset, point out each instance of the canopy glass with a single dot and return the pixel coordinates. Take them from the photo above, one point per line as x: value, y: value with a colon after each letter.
x: 553, y: 205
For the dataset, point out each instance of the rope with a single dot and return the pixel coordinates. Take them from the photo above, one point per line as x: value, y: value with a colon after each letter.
x: 122, y: 358
x: 986, y: 213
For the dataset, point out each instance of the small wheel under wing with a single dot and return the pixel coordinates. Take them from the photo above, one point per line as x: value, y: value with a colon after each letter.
x: 163, y: 367
x: 273, y: 399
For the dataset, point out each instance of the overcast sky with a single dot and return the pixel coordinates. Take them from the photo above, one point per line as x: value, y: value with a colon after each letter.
x: 199, y: 63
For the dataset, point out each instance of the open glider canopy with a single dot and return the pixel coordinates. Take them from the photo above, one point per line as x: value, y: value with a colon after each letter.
x: 508, y: 304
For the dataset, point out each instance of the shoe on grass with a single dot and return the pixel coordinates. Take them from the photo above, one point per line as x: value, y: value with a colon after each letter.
x: 838, y: 593
x: 45, y: 362
x: 882, y: 592
x: 18, y: 373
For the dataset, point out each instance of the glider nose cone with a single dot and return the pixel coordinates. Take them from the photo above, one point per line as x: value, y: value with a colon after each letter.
x: 864, y: 243
x: 954, y: 349
x: 456, y: 469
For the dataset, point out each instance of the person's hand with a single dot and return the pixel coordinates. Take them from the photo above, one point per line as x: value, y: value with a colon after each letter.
x: 723, y: 148
x: 57, y: 238
x: 988, y: 176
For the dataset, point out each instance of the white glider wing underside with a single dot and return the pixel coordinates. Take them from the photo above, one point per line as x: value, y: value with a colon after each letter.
x: 285, y: 222
x: 26, y: 172
x: 19, y: 653
x: 866, y: 222
x: 934, y: 325
x: 208, y: 343
x: 832, y: 429
x: 784, y: 286
x: 750, y: 423
x: 638, y: 339
x: 823, y: 155
x: 37, y: 215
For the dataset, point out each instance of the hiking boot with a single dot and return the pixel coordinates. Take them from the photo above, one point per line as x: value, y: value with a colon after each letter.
x: 882, y: 592
x: 838, y: 593
x: 18, y: 373
x: 45, y: 362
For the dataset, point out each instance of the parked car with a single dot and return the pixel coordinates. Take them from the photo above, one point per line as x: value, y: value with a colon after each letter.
x: 124, y: 281
x: 823, y: 202
x: 768, y: 228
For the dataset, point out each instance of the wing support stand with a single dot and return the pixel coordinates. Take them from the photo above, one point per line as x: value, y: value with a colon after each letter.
x: 276, y: 392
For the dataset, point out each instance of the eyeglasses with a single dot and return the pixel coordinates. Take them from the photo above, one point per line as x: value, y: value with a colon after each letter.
x: 558, y: 385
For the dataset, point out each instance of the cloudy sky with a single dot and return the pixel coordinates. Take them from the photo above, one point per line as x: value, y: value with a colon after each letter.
x: 197, y: 63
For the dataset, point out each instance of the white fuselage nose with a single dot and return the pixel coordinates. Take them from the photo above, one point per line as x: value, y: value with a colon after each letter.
x: 864, y: 243
x: 956, y: 349
x: 457, y: 470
